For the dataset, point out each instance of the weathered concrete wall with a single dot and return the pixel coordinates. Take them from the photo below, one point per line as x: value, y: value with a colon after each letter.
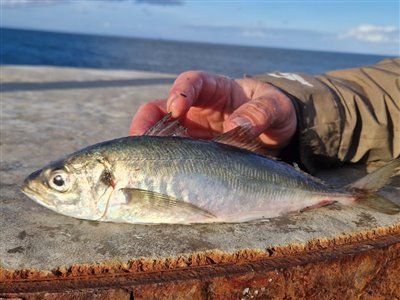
x: 48, y: 112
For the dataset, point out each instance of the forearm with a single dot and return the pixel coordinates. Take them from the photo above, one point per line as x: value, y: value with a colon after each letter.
x: 347, y: 115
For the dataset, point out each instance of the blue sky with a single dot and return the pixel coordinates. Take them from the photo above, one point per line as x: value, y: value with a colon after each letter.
x: 346, y: 26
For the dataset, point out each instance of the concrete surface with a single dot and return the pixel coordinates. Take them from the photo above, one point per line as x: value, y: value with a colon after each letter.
x: 48, y: 112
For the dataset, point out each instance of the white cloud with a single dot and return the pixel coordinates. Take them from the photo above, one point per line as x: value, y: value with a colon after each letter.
x: 373, y: 34
x: 19, y: 3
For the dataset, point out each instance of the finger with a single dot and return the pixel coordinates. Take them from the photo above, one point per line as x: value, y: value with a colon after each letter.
x: 196, y: 88
x: 147, y: 115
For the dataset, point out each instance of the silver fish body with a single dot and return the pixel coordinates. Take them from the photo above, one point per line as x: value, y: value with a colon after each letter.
x: 151, y: 179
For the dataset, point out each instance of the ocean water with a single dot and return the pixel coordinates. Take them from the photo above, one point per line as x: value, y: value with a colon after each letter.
x: 26, y: 47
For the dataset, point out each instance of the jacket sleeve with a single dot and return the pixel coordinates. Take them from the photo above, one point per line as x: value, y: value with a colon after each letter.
x: 350, y: 115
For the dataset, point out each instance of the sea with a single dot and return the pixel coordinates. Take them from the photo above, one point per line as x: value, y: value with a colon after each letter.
x: 41, y: 48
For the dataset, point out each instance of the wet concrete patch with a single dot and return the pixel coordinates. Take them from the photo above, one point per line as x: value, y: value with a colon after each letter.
x: 366, y: 220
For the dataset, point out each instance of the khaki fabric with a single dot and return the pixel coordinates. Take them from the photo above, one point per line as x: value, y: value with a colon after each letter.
x: 350, y: 115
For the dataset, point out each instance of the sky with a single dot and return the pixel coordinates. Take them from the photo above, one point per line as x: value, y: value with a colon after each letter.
x: 363, y: 26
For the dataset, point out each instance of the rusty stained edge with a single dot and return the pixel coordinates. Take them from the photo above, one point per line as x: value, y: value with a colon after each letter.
x: 262, y: 264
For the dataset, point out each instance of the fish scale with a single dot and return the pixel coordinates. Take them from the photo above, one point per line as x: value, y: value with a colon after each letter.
x: 240, y: 175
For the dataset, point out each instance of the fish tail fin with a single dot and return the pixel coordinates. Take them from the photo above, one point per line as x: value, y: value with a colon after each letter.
x: 378, y: 203
x: 378, y: 178
x: 364, y: 189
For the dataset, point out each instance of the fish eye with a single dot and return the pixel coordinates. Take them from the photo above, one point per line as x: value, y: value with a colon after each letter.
x: 59, y: 180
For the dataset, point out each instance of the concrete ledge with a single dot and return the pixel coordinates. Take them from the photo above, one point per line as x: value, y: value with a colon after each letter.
x: 47, y: 112
x: 346, y: 271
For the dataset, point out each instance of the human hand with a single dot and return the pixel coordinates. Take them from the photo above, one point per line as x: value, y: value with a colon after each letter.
x: 208, y: 105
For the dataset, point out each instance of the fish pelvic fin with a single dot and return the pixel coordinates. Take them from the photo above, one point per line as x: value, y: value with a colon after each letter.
x: 148, y: 201
x: 364, y: 189
x: 378, y: 178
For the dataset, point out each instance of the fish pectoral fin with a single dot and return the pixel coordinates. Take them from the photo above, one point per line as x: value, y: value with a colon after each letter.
x: 154, y: 201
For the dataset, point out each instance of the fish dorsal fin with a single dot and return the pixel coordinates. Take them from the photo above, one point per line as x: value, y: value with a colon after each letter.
x: 167, y: 127
x: 240, y: 137
x: 149, y: 201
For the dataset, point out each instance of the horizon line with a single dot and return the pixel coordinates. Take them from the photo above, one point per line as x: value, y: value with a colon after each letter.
x: 188, y: 41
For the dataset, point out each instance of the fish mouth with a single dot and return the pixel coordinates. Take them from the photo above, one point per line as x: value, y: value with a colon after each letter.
x: 27, y: 190
x: 33, y: 194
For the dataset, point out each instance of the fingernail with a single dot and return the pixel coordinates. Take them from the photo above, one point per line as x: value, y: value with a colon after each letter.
x: 237, y: 121
x: 171, y: 103
x: 244, y: 123
x: 241, y: 121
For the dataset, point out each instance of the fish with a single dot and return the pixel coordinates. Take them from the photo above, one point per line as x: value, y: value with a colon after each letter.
x: 167, y: 178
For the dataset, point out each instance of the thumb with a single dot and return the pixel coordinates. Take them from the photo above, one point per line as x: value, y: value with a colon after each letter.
x: 261, y: 113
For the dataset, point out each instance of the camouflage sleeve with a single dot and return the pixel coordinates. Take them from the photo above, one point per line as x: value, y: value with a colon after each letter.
x: 350, y: 115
